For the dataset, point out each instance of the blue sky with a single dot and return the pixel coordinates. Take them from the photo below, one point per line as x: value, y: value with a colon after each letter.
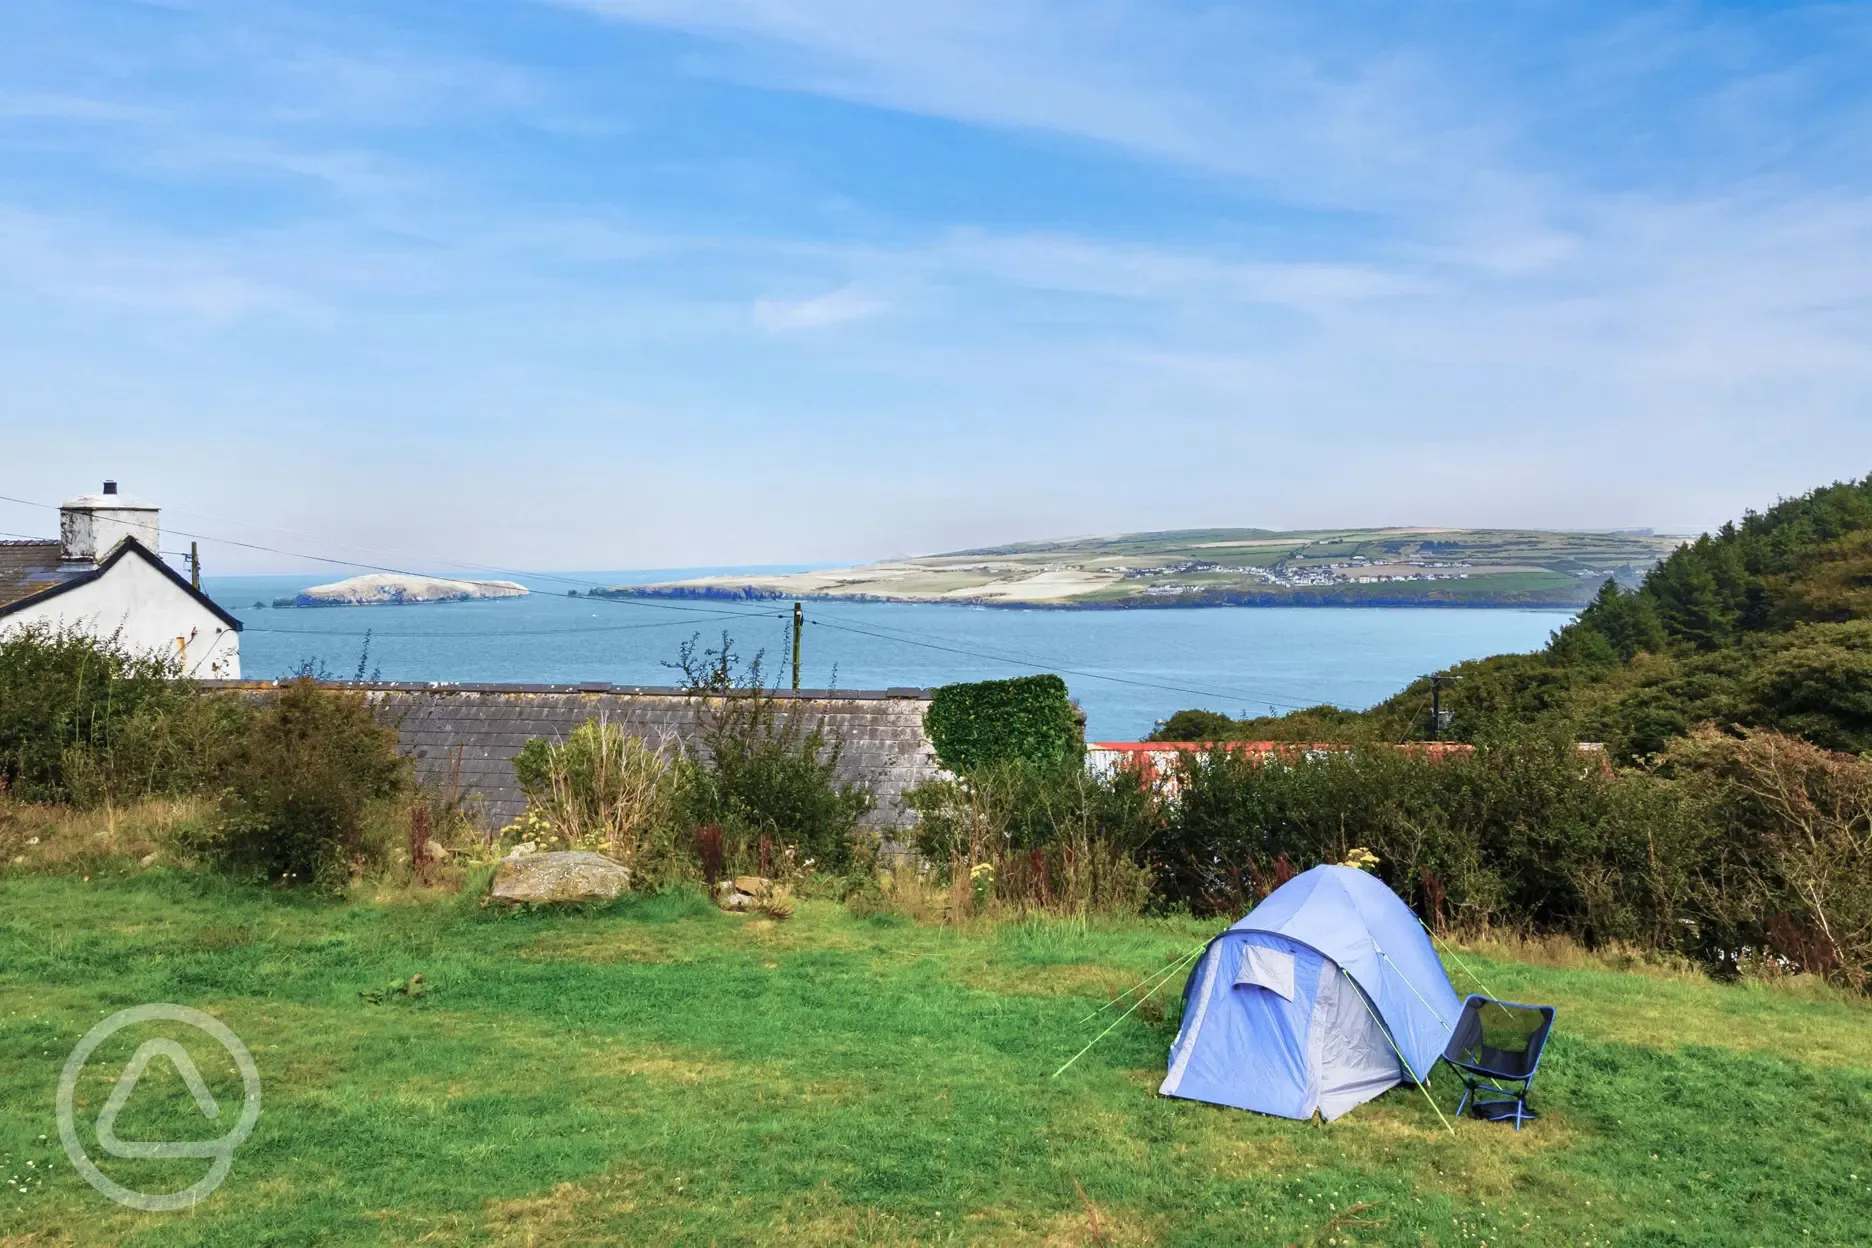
x: 621, y: 283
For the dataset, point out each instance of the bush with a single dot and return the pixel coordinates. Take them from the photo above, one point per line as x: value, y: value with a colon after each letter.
x: 174, y: 747
x: 1317, y: 723
x: 82, y: 719
x: 989, y: 723
x: 758, y: 772
x: 1791, y: 871
x: 765, y: 777
x: 298, y: 785
x: 1525, y: 831
x: 1197, y: 725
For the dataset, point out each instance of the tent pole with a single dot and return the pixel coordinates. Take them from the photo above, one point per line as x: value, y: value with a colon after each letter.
x: 1413, y: 987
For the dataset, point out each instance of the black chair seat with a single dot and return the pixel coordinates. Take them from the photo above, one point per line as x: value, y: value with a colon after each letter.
x: 1495, y: 1042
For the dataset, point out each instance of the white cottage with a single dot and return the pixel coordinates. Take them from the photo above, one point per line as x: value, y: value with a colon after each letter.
x: 105, y: 577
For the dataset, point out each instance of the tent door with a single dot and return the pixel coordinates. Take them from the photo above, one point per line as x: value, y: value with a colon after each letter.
x: 1351, y: 1059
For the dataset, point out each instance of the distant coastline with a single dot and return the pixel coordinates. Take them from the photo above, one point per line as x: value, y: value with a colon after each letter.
x: 1297, y: 599
x: 1392, y: 567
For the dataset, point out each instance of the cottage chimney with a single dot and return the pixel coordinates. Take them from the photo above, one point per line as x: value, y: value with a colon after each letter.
x: 91, y: 527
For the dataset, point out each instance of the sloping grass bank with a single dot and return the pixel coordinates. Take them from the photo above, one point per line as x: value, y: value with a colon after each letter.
x: 661, y: 1072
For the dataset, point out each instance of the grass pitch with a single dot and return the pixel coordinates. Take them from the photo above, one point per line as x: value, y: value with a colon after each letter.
x: 661, y: 1072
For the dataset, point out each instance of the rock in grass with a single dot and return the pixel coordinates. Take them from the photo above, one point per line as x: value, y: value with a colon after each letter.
x: 731, y: 899
x: 566, y: 876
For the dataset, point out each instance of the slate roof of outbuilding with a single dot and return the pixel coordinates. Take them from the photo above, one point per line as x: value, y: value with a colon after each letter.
x: 26, y: 568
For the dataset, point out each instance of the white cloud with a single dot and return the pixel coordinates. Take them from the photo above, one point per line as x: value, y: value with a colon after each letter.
x: 1164, y: 274
x: 834, y: 307
x: 1290, y: 101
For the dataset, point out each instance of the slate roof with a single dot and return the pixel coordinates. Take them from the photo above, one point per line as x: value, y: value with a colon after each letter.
x: 30, y: 571
x: 463, y: 738
x: 26, y: 568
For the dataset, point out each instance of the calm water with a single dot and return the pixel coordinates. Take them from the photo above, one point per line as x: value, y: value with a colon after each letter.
x: 1127, y: 668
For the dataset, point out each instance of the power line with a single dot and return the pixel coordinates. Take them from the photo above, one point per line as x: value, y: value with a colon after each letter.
x: 341, y: 541
x: 384, y: 635
x: 609, y: 594
x: 1007, y: 657
x: 1062, y: 671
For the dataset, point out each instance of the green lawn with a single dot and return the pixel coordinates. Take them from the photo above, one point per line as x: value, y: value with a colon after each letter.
x: 665, y: 1073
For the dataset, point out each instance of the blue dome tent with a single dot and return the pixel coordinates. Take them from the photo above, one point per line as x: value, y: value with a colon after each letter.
x: 1318, y: 1000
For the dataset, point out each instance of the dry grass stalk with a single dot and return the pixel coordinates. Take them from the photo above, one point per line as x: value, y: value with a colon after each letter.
x: 1098, y: 1229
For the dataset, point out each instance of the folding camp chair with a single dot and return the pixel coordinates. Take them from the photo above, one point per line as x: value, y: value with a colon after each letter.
x: 1496, y: 1046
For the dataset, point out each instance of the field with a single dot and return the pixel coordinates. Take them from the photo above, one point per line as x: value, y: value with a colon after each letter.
x: 1205, y: 567
x: 662, y: 1072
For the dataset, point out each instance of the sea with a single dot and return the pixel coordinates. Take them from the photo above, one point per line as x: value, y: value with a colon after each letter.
x: 1128, y: 668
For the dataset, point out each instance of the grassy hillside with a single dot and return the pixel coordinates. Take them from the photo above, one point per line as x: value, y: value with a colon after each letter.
x: 1765, y: 623
x: 1246, y: 567
x: 662, y: 1072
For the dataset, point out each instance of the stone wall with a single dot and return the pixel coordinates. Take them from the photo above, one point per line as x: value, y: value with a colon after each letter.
x: 464, y: 737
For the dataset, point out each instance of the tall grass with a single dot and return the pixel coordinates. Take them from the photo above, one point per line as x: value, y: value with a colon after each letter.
x: 1048, y: 838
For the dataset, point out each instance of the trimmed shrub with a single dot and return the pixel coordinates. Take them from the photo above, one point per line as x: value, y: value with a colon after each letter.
x: 991, y: 723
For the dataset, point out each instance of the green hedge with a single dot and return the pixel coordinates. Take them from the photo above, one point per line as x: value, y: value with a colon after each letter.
x: 1028, y: 719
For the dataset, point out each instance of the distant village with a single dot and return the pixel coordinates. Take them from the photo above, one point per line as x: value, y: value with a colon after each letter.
x: 1297, y: 572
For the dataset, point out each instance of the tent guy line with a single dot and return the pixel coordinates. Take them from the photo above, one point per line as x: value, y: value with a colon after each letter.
x: 1167, y: 970
x: 1127, y: 1014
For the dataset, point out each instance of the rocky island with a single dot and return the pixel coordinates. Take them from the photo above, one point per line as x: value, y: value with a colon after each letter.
x: 393, y: 589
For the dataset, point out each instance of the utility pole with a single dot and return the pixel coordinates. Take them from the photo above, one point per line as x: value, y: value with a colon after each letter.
x: 799, y: 620
x: 194, y: 566
x: 1437, y: 721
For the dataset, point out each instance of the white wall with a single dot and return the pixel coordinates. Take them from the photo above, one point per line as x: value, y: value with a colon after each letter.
x: 152, y: 613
